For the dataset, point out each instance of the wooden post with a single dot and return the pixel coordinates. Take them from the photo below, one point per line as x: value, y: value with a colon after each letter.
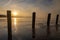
x: 9, y: 25
x: 48, y: 23
x: 57, y: 18
x: 33, y: 25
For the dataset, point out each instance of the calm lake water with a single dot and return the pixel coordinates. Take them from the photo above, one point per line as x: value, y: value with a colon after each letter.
x: 22, y: 29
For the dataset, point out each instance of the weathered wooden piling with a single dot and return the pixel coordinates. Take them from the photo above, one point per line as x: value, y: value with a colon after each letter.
x: 57, y: 18
x: 33, y: 25
x: 9, y: 25
x: 48, y: 23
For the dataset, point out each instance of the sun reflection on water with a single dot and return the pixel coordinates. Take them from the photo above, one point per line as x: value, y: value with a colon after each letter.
x: 15, y: 23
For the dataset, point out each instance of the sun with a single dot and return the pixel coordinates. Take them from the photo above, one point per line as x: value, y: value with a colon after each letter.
x: 14, y: 13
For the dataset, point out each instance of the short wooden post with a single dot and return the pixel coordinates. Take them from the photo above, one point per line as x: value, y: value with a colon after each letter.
x: 57, y: 18
x: 33, y: 25
x: 9, y: 25
x: 48, y: 23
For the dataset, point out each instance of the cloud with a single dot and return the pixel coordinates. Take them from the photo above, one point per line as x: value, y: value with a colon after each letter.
x: 31, y: 5
x: 3, y: 2
x: 47, y: 2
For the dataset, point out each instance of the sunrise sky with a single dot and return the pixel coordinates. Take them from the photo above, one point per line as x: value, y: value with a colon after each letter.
x: 26, y: 7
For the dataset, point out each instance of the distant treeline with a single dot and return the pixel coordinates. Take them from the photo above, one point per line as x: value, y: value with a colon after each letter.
x: 16, y: 16
x: 2, y: 15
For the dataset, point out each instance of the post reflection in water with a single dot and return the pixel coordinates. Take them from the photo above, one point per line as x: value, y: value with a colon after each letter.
x: 15, y: 23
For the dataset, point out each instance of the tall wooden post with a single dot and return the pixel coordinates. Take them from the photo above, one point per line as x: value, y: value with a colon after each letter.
x: 33, y: 25
x: 9, y: 25
x: 57, y: 18
x: 48, y: 23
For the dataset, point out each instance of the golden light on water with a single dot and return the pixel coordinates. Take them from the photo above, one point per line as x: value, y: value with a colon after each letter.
x: 14, y: 13
x: 15, y: 23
